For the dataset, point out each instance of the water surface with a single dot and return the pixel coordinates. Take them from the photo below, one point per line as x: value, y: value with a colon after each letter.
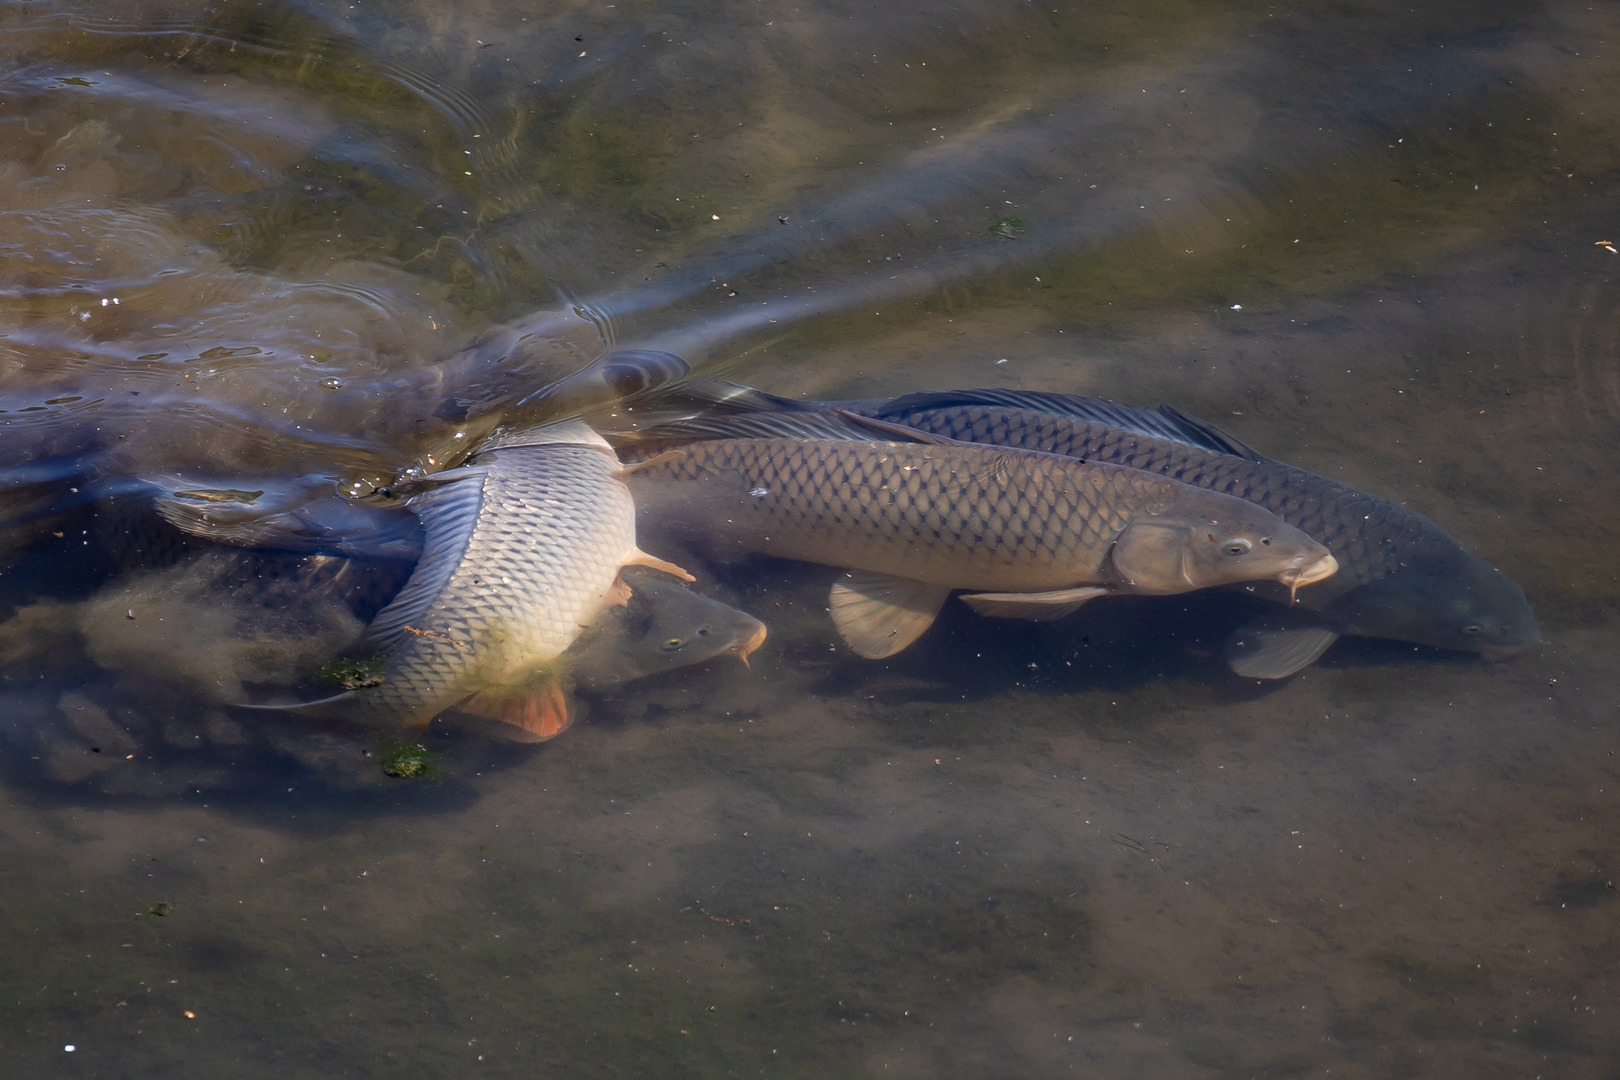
x: 254, y: 248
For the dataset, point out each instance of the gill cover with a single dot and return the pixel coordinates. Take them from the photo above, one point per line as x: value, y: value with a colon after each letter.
x: 1152, y: 557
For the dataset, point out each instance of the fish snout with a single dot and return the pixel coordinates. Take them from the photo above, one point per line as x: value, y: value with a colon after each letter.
x: 1304, y: 570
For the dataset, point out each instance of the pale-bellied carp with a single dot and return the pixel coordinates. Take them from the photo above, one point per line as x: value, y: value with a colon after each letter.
x: 215, y: 618
x: 1034, y: 534
x: 1400, y: 576
x: 522, y: 552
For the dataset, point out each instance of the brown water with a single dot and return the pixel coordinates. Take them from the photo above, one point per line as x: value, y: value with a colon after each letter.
x: 238, y: 244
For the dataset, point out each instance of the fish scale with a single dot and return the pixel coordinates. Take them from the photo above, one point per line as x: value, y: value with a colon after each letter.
x: 1400, y: 575
x: 1371, y: 538
x: 1033, y: 535
x: 927, y: 513
x: 517, y: 596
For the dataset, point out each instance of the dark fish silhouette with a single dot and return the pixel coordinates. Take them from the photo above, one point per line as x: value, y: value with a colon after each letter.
x: 1400, y: 575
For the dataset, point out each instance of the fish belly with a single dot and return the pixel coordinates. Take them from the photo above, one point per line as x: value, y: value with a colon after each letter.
x: 555, y: 524
x: 959, y: 517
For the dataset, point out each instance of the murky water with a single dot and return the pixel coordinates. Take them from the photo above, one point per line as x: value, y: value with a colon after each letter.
x: 251, y: 248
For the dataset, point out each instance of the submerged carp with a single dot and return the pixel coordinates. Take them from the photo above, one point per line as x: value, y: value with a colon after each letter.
x: 1400, y: 576
x: 215, y: 618
x: 664, y: 626
x: 1035, y: 535
x: 523, y: 551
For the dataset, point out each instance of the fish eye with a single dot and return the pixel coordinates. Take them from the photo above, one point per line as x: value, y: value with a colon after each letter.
x: 1236, y: 546
x: 671, y: 644
x: 1473, y: 629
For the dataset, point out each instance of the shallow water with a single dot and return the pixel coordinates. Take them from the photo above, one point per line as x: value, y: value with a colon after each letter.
x: 246, y: 247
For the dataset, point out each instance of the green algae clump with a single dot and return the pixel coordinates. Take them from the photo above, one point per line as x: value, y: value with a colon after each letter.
x: 408, y: 761
x: 1008, y: 228
x: 353, y: 674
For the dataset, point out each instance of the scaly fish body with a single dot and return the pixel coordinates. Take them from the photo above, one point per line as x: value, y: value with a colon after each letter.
x: 1370, y: 537
x: 1400, y: 575
x: 523, y: 551
x: 1028, y: 528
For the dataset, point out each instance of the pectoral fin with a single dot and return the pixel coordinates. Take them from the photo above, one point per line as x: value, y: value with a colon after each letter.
x: 1260, y: 652
x: 538, y: 712
x: 449, y: 510
x: 879, y: 615
x: 1036, y: 607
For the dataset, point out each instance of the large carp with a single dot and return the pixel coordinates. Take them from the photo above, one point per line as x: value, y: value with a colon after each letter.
x: 1033, y: 534
x: 1400, y: 576
x: 523, y: 551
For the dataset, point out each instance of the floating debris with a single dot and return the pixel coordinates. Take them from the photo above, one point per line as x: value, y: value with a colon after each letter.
x: 1009, y: 228
x: 351, y: 674
x: 408, y: 761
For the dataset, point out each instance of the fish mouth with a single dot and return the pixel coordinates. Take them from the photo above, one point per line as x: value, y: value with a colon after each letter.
x: 741, y: 651
x: 1301, y: 573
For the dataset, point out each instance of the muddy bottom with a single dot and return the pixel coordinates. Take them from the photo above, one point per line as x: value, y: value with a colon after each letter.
x: 1373, y: 869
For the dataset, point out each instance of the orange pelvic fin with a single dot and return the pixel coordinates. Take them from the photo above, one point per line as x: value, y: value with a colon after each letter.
x: 538, y: 710
x: 641, y: 558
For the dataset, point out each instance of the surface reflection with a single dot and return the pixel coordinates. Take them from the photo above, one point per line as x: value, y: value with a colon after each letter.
x: 270, y: 262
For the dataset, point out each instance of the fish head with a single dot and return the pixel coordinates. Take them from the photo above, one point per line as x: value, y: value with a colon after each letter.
x: 1462, y: 604
x: 663, y: 627
x: 1204, y: 538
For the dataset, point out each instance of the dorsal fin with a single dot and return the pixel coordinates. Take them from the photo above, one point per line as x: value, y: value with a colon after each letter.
x: 723, y: 396
x: 449, y: 513
x: 891, y: 431
x: 756, y: 425
x: 1165, y: 422
x: 1203, y: 433
x: 691, y: 398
